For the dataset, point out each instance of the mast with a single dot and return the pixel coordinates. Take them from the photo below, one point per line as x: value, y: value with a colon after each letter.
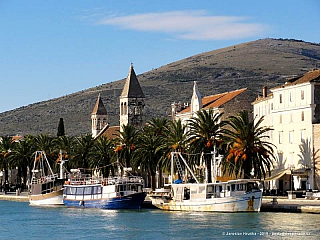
x: 62, y: 161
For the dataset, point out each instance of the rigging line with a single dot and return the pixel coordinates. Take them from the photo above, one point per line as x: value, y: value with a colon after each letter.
x: 90, y: 169
x: 194, y: 154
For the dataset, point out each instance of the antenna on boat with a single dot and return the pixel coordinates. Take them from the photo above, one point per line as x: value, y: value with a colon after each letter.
x: 62, y: 161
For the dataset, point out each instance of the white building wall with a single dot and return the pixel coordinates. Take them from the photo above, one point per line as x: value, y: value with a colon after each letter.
x: 291, y: 115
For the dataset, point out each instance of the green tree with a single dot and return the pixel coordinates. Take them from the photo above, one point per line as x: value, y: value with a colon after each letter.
x: 60, y: 128
x: 176, y: 141
x: 247, y: 148
x: 126, y: 144
x: 45, y: 143
x: 148, y: 153
x: 22, y: 157
x: 83, y: 153
x: 205, y: 135
x: 66, y: 144
x: 6, y: 146
x: 104, y: 155
x: 159, y: 126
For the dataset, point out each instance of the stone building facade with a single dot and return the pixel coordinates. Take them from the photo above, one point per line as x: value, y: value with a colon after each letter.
x: 292, y: 111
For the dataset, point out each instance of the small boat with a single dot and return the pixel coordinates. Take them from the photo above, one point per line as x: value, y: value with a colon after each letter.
x: 82, y: 190
x: 240, y: 195
x: 46, y: 187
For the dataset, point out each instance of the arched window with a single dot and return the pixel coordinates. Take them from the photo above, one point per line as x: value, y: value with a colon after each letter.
x: 302, y: 116
x: 125, y: 109
x: 99, y: 124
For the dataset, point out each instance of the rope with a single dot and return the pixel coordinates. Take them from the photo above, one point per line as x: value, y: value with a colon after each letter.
x: 195, y: 154
x: 90, y: 169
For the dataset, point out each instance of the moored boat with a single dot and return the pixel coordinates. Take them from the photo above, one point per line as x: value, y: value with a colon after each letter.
x: 240, y: 195
x: 46, y: 187
x: 106, y: 193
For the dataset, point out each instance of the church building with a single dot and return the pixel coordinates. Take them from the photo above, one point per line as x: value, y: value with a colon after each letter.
x: 222, y: 102
x: 131, y: 109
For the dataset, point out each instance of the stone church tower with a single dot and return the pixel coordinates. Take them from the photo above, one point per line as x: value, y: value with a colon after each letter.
x: 131, y: 101
x: 99, y: 117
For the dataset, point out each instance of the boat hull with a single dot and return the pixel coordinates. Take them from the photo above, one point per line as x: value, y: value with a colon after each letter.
x: 249, y: 202
x: 132, y: 201
x: 53, y: 198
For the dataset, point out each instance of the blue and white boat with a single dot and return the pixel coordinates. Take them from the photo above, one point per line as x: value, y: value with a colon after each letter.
x: 106, y: 193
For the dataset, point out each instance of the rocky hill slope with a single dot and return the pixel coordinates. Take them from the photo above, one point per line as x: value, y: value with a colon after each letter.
x: 253, y: 64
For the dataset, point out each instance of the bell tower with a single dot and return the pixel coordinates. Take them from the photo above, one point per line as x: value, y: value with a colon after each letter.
x: 131, y: 101
x: 196, y: 100
x: 99, y: 117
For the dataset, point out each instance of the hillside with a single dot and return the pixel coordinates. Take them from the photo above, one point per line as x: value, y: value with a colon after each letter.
x: 253, y: 64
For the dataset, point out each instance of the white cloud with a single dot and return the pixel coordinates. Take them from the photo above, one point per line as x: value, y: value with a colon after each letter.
x: 193, y: 25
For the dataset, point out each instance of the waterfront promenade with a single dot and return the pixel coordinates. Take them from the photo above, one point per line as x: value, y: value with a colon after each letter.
x: 12, y: 196
x: 269, y: 204
x: 283, y: 204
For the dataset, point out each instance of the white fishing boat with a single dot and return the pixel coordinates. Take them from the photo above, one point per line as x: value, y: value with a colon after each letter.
x: 240, y: 195
x: 46, y: 187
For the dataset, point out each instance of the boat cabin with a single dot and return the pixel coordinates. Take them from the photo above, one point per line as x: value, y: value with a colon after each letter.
x: 194, y: 192
x: 44, y: 185
x: 86, y: 188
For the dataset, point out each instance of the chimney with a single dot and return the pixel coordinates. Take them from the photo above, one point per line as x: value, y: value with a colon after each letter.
x: 264, y: 91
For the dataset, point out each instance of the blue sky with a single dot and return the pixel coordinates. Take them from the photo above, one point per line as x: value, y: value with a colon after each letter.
x: 52, y: 48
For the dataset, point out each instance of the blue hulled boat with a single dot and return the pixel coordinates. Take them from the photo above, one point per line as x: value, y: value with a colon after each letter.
x: 106, y: 193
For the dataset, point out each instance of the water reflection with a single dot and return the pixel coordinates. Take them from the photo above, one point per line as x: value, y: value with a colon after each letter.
x: 21, y: 221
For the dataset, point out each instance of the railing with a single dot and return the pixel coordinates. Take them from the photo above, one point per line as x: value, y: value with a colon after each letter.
x: 45, y: 179
x: 86, y: 179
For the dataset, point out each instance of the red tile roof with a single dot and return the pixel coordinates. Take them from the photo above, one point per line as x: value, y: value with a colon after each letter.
x: 110, y: 132
x: 217, y: 100
x: 312, y: 76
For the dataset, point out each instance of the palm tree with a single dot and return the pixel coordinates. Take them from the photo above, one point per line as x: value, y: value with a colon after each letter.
x: 103, y: 155
x: 83, y: 152
x: 126, y: 143
x: 246, y: 147
x: 6, y: 146
x: 45, y: 143
x: 159, y: 126
x: 66, y: 145
x: 176, y: 141
x: 22, y: 157
x: 148, y: 153
x: 205, y: 134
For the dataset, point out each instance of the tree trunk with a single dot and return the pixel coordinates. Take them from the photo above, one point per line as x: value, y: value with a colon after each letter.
x: 25, y: 174
x: 19, y: 176
x: 160, y: 176
x: 208, y: 161
x: 153, y: 181
x: 247, y: 169
x: 6, y: 173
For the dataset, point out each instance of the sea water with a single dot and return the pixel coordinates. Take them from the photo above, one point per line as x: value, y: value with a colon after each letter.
x: 19, y: 220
